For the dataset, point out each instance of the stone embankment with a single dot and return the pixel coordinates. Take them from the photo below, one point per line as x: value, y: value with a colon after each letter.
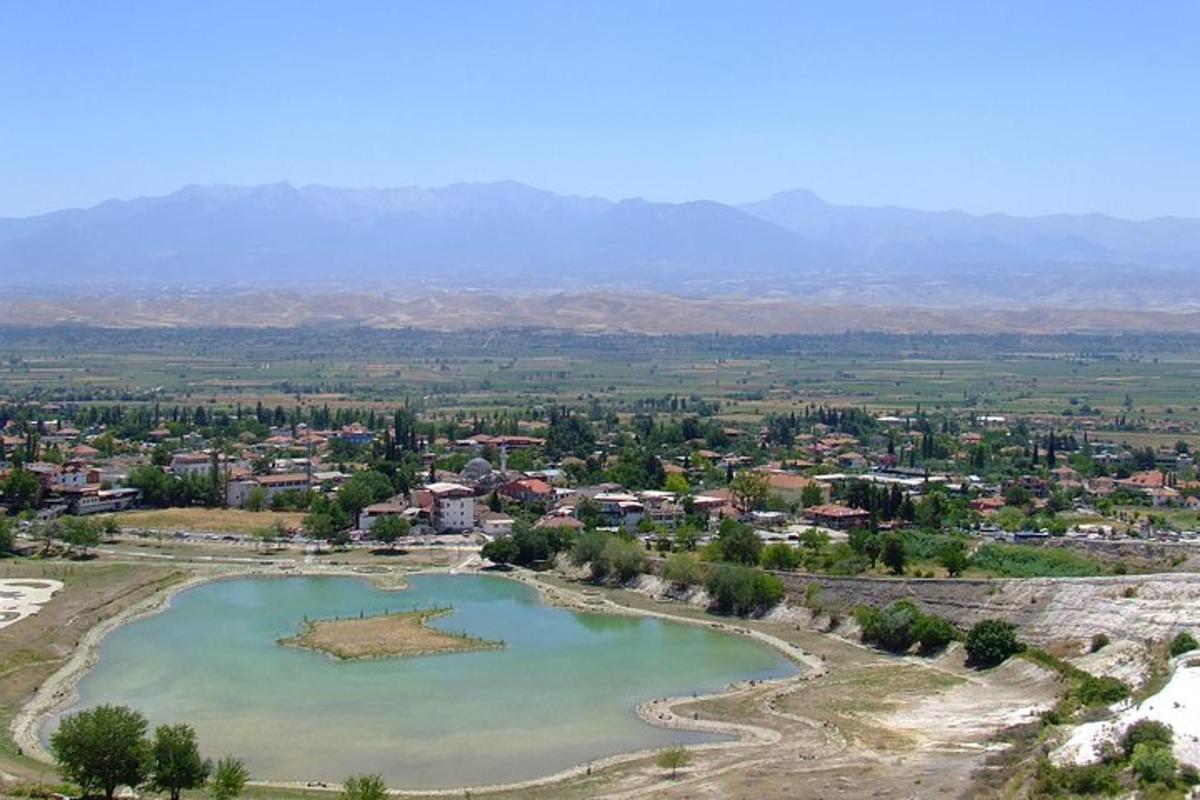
x: 1140, y: 607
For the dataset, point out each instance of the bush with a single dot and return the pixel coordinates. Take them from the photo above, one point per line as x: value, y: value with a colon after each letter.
x: 1031, y: 561
x: 1100, y: 691
x: 1146, y: 731
x: 588, y: 547
x: 1088, y: 780
x: 622, y: 558
x: 738, y: 543
x: 1184, y: 642
x: 1153, y: 763
x: 780, y: 556
x: 991, y: 642
x: 683, y: 570
x: 501, y: 551
x: 742, y: 590
x: 1099, y: 642
x: 901, y: 624
x: 934, y: 633
x: 895, y: 555
x: 894, y: 627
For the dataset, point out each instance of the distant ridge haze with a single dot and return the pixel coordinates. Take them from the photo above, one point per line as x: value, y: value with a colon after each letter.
x: 513, y: 237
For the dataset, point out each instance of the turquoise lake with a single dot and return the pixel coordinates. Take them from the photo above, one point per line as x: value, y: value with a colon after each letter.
x: 562, y: 692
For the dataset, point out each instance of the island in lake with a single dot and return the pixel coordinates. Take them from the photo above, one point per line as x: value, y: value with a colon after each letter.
x: 399, y: 634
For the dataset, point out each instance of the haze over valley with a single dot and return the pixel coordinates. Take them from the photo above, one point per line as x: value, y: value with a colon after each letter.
x: 509, y: 237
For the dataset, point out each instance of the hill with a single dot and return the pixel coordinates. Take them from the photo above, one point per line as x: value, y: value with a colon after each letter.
x: 507, y: 236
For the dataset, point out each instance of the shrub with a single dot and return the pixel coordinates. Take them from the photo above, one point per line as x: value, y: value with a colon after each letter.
x: 898, y: 626
x: 780, y: 556
x: 364, y: 787
x: 1100, y: 691
x: 1184, y: 642
x: 934, y: 633
x: 894, y: 627
x: 742, y: 590
x: 1030, y: 561
x: 624, y: 558
x: 588, y: 547
x: 738, y: 543
x: 501, y: 551
x: 1146, y: 731
x: 1153, y: 763
x: 812, y: 598
x: 1099, y: 642
x: 683, y: 570
x: 1087, y: 780
x: 991, y: 642
x: 895, y: 555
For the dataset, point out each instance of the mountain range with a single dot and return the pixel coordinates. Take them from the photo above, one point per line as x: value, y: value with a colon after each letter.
x: 512, y: 237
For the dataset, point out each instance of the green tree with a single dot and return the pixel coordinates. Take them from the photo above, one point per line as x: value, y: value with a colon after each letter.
x: 501, y: 551
x: 934, y: 632
x: 79, y: 534
x: 362, y: 489
x: 102, y: 748
x: 677, y: 484
x: 738, y: 543
x: 176, y: 761
x: 256, y: 499
x: 780, y: 556
x: 749, y: 489
x: 894, y: 627
x: 866, y: 543
x: 953, y: 557
x: 21, y: 489
x: 814, y: 540
x: 619, y: 557
x: 1010, y: 519
x: 812, y: 495
x: 683, y: 570
x: 228, y: 779
x: 8, y: 538
x: 325, y: 519
x: 742, y: 590
x: 895, y: 555
x: 686, y: 537
x: 674, y: 758
x: 364, y: 787
x: 389, y: 528
x: 991, y: 642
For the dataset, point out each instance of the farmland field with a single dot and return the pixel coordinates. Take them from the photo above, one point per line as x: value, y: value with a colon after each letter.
x: 1146, y: 378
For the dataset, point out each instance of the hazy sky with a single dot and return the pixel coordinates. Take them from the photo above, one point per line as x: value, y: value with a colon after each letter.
x: 1025, y: 107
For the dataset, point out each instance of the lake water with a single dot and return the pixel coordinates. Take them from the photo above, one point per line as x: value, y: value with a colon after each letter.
x: 562, y: 692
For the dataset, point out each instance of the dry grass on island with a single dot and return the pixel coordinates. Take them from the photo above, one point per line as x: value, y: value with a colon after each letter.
x: 395, y: 635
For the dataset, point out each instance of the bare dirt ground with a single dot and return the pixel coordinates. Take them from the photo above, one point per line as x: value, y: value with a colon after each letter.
x: 588, y: 312
x: 33, y: 648
x: 217, y: 520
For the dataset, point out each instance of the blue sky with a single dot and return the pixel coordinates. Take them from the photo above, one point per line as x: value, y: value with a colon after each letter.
x: 1023, y: 107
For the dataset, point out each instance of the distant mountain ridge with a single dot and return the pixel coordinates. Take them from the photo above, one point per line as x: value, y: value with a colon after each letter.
x: 515, y: 237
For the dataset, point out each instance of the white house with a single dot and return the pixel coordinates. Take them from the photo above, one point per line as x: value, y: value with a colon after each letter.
x: 453, y: 507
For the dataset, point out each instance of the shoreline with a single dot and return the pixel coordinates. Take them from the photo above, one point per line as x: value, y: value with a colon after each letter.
x: 60, y: 690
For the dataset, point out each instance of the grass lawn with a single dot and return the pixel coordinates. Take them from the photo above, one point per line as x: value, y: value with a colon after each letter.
x: 218, y: 520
